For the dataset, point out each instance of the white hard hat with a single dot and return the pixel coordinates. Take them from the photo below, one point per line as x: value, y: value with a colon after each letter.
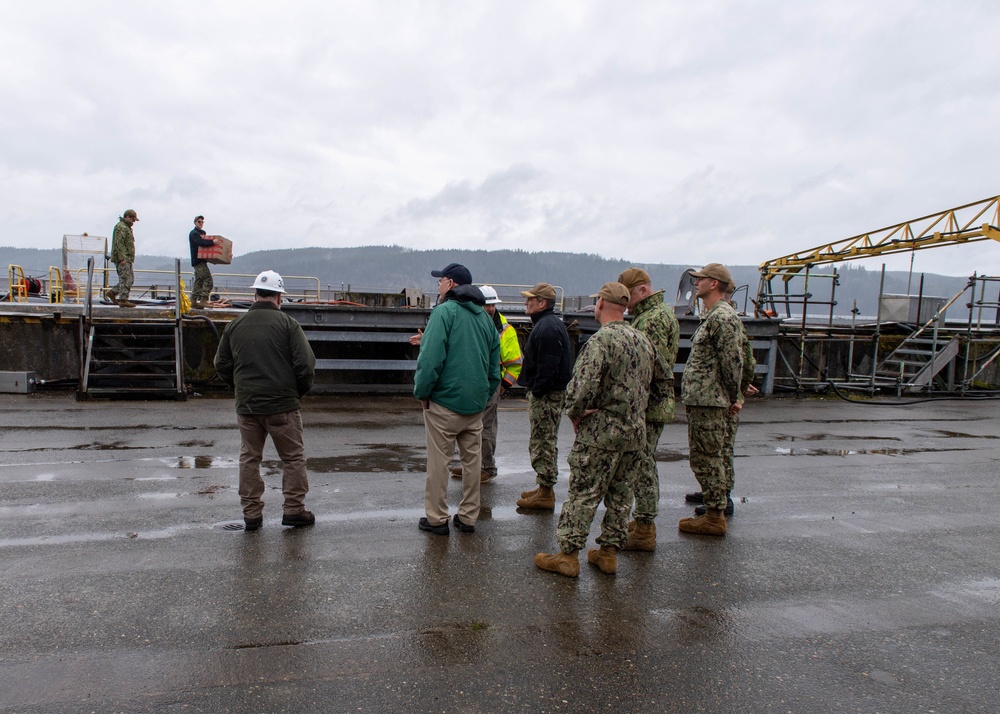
x: 269, y: 280
x: 490, y: 294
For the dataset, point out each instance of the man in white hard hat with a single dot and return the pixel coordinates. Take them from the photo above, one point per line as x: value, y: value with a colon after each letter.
x: 264, y: 354
x: 510, y: 368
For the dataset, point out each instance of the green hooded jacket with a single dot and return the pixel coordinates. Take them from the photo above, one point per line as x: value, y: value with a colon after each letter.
x: 459, y: 362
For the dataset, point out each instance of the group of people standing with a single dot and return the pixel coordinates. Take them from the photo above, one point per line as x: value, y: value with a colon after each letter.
x: 123, y: 258
x: 618, y: 393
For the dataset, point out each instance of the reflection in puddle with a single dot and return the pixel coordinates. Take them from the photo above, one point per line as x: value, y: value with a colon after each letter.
x: 200, y: 462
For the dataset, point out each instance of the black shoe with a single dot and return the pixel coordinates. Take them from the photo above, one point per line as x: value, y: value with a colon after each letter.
x: 297, y: 520
x: 728, y: 511
x: 436, y: 530
x: 463, y: 527
x: 252, y: 524
x: 696, y: 497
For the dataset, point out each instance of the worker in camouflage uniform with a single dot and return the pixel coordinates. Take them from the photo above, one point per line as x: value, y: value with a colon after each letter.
x: 710, y: 389
x: 547, y: 368
x: 732, y: 424
x: 615, y: 376
x: 656, y: 320
x: 123, y: 256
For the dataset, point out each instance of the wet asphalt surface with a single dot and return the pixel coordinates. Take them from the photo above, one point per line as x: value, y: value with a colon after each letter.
x: 860, y: 572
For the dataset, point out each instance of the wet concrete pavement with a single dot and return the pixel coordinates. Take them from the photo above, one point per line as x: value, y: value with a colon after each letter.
x: 860, y: 572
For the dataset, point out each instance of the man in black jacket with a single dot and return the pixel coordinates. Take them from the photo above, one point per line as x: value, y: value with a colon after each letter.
x: 265, y: 355
x: 548, y: 367
x: 203, y: 283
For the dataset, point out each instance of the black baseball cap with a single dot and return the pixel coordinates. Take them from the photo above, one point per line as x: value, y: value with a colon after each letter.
x: 454, y: 271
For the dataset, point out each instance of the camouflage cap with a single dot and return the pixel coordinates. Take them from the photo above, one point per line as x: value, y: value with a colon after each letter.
x: 541, y: 290
x: 130, y: 214
x: 614, y: 293
x: 715, y: 271
x: 634, y: 277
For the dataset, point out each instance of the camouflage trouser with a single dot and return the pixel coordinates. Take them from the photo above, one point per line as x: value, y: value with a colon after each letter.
x: 596, y: 475
x: 706, y: 440
x: 125, y: 280
x: 203, y: 283
x: 544, y: 414
x: 647, y: 478
x: 732, y: 424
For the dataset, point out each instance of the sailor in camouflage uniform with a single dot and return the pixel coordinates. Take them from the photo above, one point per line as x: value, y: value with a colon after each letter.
x: 656, y: 320
x: 615, y: 376
x: 732, y: 424
x: 123, y: 256
x: 710, y: 390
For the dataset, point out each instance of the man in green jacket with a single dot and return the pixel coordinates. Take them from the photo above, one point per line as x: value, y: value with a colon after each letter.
x: 264, y: 354
x: 458, y: 369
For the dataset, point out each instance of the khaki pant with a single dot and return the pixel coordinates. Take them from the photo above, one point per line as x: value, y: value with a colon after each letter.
x: 285, y: 430
x: 445, y: 428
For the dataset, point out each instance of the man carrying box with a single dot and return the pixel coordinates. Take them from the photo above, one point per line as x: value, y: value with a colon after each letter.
x: 203, y: 283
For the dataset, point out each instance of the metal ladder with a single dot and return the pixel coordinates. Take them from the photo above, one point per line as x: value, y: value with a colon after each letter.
x: 130, y: 357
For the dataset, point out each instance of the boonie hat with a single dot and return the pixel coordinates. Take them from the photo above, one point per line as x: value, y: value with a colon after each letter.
x: 634, y: 277
x: 613, y: 292
x: 454, y: 271
x: 541, y: 290
x: 130, y: 214
x: 714, y: 271
x: 269, y: 280
x: 490, y: 294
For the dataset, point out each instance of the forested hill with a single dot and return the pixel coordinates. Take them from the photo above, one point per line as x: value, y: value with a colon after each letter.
x: 393, y: 268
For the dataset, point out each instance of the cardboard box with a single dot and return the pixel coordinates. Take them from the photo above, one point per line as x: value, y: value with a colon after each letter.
x: 221, y: 254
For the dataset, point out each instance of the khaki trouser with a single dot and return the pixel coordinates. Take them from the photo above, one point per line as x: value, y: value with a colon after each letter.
x: 444, y: 428
x: 285, y: 430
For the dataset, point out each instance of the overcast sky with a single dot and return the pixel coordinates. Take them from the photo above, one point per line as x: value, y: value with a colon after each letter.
x: 659, y: 131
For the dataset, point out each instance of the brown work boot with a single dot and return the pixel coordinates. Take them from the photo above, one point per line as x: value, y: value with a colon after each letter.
x: 125, y: 303
x: 641, y: 536
x: 712, y: 523
x: 111, y: 295
x: 486, y: 476
x: 539, y: 499
x: 567, y: 564
x: 456, y: 471
x: 606, y: 559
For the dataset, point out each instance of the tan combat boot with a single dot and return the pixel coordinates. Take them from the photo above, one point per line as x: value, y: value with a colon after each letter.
x: 125, y: 303
x: 712, y: 523
x: 540, y: 499
x: 567, y: 564
x: 111, y: 295
x: 606, y: 559
x: 641, y: 536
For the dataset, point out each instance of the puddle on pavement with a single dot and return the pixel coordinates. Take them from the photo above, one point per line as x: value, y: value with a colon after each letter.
x: 378, y: 458
x: 666, y: 456
x: 822, y: 437
x: 860, y: 452
x: 200, y: 462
